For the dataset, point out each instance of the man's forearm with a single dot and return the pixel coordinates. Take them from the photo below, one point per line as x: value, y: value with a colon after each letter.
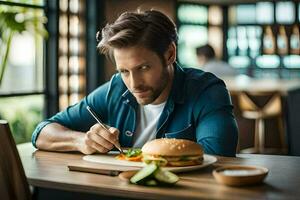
x: 55, y: 137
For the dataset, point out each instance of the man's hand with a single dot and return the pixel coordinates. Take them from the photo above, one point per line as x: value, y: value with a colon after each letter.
x: 99, y: 139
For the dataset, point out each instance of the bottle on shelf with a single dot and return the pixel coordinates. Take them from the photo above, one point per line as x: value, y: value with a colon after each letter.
x: 295, y: 41
x: 268, y: 41
x: 242, y: 41
x: 282, y: 41
x: 232, y: 41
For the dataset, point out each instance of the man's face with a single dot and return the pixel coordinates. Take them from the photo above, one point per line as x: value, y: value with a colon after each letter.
x: 143, y: 73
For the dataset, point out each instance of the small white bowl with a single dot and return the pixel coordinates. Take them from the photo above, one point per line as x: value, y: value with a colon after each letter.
x: 239, y: 175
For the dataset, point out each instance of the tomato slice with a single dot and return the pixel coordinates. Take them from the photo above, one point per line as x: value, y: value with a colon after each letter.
x: 121, y: 157
x: 133, y: 158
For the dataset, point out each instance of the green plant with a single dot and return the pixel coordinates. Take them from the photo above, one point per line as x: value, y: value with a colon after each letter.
x: 16, y: 20
x: 24, y: 122
x: 23, y: 115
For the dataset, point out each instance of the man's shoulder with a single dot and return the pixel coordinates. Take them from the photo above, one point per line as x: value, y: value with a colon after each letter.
x: 197, y: 78
x: 205, y: 89
x: 197, y: 83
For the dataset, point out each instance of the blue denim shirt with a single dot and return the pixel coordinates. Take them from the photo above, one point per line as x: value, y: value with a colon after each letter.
x: 198, y: 108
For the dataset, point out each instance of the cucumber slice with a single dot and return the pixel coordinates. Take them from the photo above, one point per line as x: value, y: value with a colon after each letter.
x: 165, y: 176
x: 151, y: 182
x: 141, y: 175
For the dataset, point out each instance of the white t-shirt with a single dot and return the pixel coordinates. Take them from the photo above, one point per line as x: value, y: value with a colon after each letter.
x: 148, y: 117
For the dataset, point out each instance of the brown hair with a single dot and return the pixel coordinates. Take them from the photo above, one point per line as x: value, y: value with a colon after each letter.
x: 150, y: 29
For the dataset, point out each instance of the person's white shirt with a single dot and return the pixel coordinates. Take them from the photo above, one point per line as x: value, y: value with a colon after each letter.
x: 219, y: 68
x: 148, y: 116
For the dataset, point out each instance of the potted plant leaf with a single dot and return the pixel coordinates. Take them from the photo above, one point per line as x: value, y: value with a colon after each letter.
x: 16, y: 20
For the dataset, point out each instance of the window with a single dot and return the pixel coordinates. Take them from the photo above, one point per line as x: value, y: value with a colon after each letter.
x: 71, y: 60
x: 265, y: 35
x: 22, y: 88
x: 198, y: 25
x: 256, y: 38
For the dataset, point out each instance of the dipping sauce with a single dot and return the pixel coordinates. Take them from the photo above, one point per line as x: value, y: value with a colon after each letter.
x: 241, y: 172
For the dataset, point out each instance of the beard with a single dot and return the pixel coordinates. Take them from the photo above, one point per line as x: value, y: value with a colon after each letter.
x: 153, y: 92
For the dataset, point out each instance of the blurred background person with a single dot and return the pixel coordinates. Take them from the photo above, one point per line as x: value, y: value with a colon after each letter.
x: 208, y: 62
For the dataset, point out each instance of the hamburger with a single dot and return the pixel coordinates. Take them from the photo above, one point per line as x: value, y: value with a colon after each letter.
x: 172, y: 152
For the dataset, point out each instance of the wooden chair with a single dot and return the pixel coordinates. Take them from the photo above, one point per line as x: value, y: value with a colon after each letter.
x: 269, y: 106
x: 13, y: 182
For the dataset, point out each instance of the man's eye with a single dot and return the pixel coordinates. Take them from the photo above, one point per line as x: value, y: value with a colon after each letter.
x: 145, y: 67
x: 123, y: 71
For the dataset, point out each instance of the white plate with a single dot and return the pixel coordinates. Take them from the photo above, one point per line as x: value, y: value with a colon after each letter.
x: 111, y: 160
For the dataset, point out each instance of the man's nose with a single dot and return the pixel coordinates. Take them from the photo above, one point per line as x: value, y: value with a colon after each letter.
x: 135, y: 81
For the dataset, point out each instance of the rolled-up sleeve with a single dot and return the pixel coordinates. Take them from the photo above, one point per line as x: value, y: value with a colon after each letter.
x: 37, y: 131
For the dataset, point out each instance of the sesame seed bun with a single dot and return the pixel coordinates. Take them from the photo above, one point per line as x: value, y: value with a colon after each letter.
x: 173, y: 152
x: 172, y: 147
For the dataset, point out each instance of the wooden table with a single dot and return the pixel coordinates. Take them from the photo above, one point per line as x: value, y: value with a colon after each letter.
x: 49, y: 170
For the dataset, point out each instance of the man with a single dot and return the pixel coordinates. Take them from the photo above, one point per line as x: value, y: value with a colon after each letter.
x: 209, y: 63
x: 150, y: 96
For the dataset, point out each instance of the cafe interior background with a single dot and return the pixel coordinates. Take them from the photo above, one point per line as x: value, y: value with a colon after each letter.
x: 47, y: 69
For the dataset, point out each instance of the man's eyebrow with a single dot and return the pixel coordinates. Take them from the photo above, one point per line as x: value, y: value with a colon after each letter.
x: 135, y: 67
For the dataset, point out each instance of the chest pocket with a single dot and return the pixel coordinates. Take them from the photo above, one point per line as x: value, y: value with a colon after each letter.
x: 186, y: 133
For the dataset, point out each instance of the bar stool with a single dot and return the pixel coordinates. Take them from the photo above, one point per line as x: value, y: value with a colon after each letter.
x: 259, y: 106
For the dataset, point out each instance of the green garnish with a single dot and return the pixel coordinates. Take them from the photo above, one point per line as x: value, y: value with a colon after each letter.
x: 184, y: 158
x: 133, y: 153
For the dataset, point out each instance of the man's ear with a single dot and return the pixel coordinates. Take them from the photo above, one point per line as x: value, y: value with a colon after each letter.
x: 170, y: 55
